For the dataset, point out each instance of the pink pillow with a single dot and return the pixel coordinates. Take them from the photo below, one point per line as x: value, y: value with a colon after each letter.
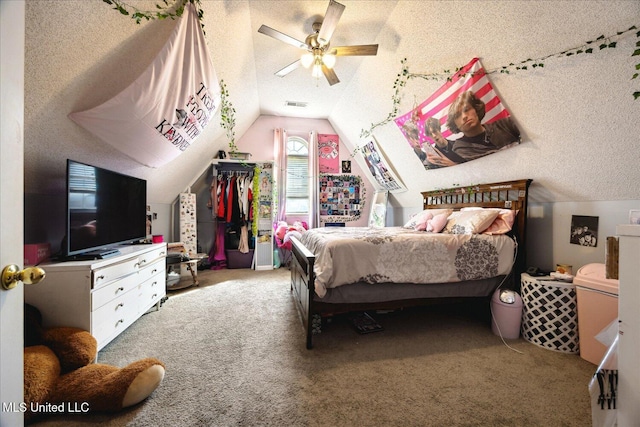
x: 422, y: 220
x: 503, y: 223
x: 418, y: 221
x: 437, y: 223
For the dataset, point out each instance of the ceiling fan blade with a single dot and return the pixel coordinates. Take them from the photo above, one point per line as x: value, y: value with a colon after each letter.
x: 330, y: 21
x: 331, y: 76
x: 359, y: 50
x: 289, y: 68
x: 282, y: 37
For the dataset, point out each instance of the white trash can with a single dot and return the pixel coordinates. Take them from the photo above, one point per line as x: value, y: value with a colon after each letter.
x: 506, y: 313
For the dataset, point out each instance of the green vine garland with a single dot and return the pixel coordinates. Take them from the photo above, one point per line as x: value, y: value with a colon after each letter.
x: 403, y: 77
x: 256, y: 204
x: 171, y: 10
x: 228, y: 117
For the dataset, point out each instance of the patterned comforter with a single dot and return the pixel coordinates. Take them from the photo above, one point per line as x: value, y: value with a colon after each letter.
x: 398, y: 255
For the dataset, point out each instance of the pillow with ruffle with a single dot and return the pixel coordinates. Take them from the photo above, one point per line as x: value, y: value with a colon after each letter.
x: 419, y: 221
x: 470, y: 221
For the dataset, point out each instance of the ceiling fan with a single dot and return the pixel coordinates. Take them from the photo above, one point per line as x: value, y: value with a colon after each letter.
x: 318, y: 53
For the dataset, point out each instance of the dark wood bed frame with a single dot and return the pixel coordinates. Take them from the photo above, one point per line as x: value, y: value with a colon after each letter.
x: 507, y: 195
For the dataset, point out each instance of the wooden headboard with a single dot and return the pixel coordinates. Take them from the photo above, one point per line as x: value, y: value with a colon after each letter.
x: 507, y: 195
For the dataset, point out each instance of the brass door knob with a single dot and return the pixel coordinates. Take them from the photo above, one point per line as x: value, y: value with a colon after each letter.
x: 12, y: 274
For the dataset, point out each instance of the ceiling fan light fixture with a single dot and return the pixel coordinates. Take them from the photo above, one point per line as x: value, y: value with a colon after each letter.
x: 307, y: 59
x: 316, y: 72
x: 318, y: 55
x: 329, y: 60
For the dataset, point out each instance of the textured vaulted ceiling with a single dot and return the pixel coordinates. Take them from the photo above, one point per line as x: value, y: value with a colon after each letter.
x: 80, y: 53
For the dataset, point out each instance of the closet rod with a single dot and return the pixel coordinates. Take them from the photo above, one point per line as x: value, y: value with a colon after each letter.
x: 233, y: 166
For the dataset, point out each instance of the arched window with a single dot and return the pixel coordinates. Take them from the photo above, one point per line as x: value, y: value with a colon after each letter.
x: 297, y: 187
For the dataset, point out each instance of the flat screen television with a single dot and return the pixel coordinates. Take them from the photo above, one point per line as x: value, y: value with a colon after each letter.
x: 104, y: 209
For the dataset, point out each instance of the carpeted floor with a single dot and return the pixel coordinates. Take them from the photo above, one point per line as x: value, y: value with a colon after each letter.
x: 235, y: 356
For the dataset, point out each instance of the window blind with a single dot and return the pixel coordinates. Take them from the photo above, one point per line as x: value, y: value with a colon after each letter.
x: 297, y: 177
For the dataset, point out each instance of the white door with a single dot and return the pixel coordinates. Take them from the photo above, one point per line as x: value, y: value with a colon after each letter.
x: 12, y: 29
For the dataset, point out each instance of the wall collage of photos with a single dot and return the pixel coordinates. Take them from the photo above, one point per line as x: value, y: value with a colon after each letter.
x: 341, y: 198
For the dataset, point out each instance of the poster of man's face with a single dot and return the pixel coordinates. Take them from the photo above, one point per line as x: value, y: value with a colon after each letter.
x: 462, y: 121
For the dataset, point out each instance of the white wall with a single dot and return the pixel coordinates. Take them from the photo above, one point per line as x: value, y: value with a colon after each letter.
x: 549, y: 226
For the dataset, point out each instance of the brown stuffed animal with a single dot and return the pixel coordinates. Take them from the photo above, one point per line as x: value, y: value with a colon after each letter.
x: 60, y: 376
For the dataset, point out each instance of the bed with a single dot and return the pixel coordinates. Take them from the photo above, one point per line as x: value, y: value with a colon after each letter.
x: 344, y: 269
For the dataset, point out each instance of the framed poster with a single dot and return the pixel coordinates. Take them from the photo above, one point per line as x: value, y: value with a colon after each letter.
x: 346, y: 166
x: 584, y: 230
x: 328, y: 153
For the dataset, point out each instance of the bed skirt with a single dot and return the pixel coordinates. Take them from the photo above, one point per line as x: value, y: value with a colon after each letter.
x: 365, y: 293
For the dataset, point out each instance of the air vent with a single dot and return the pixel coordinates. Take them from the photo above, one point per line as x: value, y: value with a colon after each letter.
x: 295, y: 104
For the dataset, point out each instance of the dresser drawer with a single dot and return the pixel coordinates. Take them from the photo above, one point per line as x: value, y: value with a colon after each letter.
x: 115, y: 316
x: 113, y: 290
x: 152, y: 291
x: 156, y: 267
x: 149, y: 257
x: 102, y: 276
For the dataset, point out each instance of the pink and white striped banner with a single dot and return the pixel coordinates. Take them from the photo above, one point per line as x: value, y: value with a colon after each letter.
x: 472, y: 77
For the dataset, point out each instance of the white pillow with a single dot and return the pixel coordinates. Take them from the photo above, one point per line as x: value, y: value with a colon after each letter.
x: 503, y: 222
x: 470, y: 221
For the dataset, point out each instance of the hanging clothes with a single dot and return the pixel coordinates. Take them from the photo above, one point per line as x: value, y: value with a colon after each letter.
x: 232, y: 205
x: 217, y: 256
x: 232, y: 199
x: 220, y: 194
x: 244, y: 189
x: 244, y: 184
x: 243, y: 246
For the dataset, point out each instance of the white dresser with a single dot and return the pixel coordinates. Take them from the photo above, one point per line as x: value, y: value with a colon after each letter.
x: 629, y: 326
x: 103, y: 296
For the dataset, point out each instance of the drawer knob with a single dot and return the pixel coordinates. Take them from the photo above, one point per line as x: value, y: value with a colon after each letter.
x: 119, y: 306
x: 120, y: 289
x: 119, y: 321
